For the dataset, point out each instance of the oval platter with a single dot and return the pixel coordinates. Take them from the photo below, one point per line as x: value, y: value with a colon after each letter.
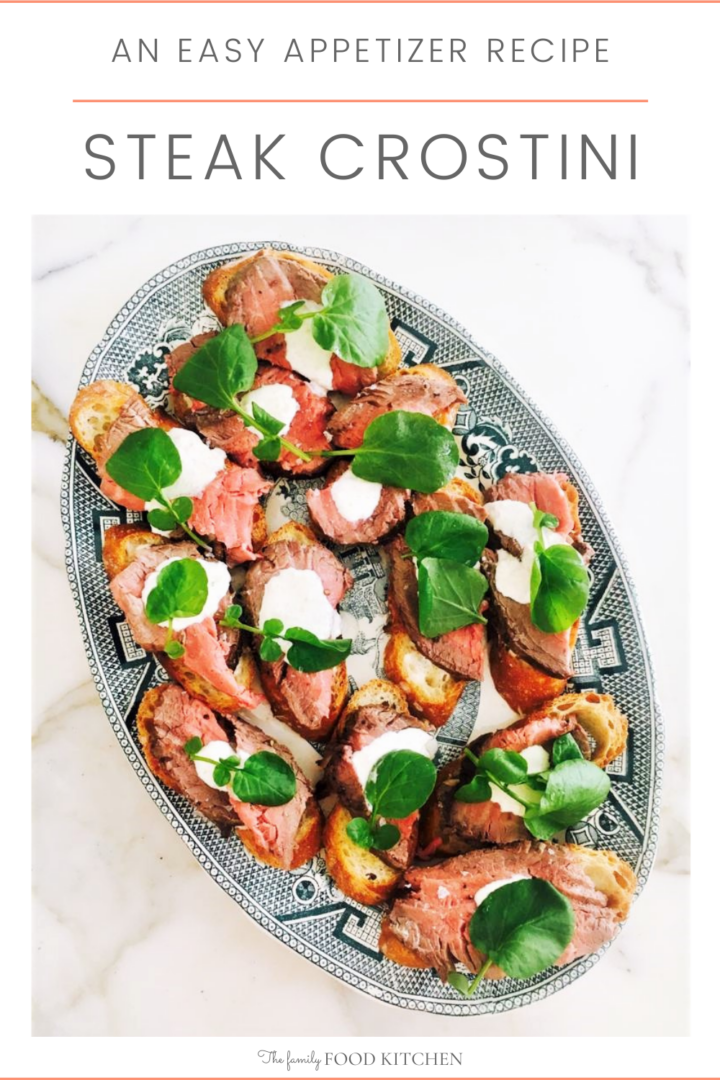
x: 499, y: 430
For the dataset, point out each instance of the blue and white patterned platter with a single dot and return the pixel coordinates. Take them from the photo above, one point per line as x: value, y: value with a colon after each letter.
x: 499, y: 430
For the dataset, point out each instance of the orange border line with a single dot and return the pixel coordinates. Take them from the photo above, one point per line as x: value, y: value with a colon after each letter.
x: 358, y: 101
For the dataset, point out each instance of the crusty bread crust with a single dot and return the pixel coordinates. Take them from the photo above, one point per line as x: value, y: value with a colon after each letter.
x: 96, y: 408
x: 600, y: 718
x: 309, y: 834
x: 431, y: 692
x: 218, y: 281
x: 522, y: 685
x: 608, y: 873
x: 358, y: 873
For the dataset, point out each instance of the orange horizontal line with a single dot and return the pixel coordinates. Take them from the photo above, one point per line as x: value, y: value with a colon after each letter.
x: 358, y: 101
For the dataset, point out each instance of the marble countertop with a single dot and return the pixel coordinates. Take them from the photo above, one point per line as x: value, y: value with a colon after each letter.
x: 590, y: 316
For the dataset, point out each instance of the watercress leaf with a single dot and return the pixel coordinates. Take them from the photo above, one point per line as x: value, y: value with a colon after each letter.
x: 449, y: 596
x: 267, y: 423
x: 524, y: 927
x: 268, y: 449
x: 460, y: 982
x: 272, y: 627
x: 542, y: 826
x: 353, y: 322
x: 360, y: 832
x: 385, y: 836
x: 145, y: 462
x: 478, y: 790
x: 402, y: 782
x: 310, y: 653
x: 233, y: 761
x: 182, y: 508
x: 407, y: 450
x: 288, y: 317
x: 175, y: 649
x: 537, y: 781
x: 574, y: 788
x: 566, y: 749
x: 221, y: 775
x: 542, y: 520
x: 193, y: 746
x: 163, y: 520
x: 231, y: 617
x: 505, y: 766
x: 270, y: 651
x: 181, y: 591
x: 266, y: 779
x: 443, y: 534
x: 219, y: 370
x: 559, y: 588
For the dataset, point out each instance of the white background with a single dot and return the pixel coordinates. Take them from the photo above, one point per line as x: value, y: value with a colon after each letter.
x: 664, y: 52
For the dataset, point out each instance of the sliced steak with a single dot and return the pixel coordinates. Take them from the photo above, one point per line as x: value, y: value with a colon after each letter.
x: 387, y: 515
x: 450, y: 499
x: 417, y: 393
x: 226, y: 511
x: 432, y: 913
x: 180, y: 405
x: 461, y: 652
x: 549, y: 492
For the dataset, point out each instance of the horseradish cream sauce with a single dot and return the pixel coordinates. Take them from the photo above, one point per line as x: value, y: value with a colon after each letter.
x: 482, y: 894
x: 297, y: 598
x: 410, y: 738
x: 538, y: 760
x: 200, y: 465
x: 276, y: 399
x: 356, y: 499
x: 515, y: 521
x: 218, y: 584
x: 303, y: 353
x: 216, y: 750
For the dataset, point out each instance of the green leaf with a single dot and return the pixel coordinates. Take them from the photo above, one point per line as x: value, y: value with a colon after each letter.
x: 542, y: 826
x: 288, y: 318
x: 407, y: 450
x: 443, y: 534
x: 505, y: 766
x: 478, y: 790
x: 559, y: 588
x: 175, y: 649
x: 460, y: 982
x: 541, y: 520
x: 353, y: 323
x: 566, y: 749
x: 273, y: 627
x: 524, y: 927
x: 385, y: 836
x: 231, y: 618
x: 268, y: 449
x: 309, y: 653
x: 266, y: 779
x: 163, y: 520
x: 181, y: 592
x: 219, y: 370
x: 449, y: 596
x: 267, y: 423
x: 193, y: 746
x: 182, y: 508
x: 574, y: 789
x: 359, y: 831
x: 270, y: 651
x: 221, y: 775
x: 400, y: 783
x: 145, y: 462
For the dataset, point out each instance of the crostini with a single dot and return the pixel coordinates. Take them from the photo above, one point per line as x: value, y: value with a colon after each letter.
x: 225, y: 497
x: 299, y: 582
x: 528, y: 666
x: 427, y: 925
x: 375, y: 722
x: 133, y: 557
x: 451, y: 826
x: 168, y: 719
x: 252, y: 292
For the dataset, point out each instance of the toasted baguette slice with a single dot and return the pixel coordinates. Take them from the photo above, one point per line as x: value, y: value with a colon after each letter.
x: 96, y: 408
x: 121, y: 544
x: 524, y: 686
x: 431, y: 692
x: 357, y: 872
x: 301, y: 534
x: 600, y: 718
x: 448, y: 416
x: 218, y: 281
x: 375, y: 692
x: 309, y: 834
x: 609, y: 874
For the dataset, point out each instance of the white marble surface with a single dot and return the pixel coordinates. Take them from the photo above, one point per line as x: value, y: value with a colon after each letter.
x: 130, y: 936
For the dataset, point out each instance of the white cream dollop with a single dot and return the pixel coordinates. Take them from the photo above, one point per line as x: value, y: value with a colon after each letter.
x: 514, y: 520
x: 303, y: 353
x: 216, y: 749
x: 276, y: 399
x: 218, y: 577
x: 538, y: 760
x: 297, y: 598
x: 200, y: 465
x: 482, y: 894
x: 356, y: 499
x: 410, y: 738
